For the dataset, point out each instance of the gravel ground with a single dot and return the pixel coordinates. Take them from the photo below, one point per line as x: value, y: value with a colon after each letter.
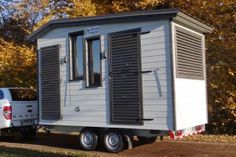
x: 67, y: 145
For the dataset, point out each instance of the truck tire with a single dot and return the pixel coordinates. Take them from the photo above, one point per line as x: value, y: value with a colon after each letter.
x: 113, y: 141
x: 146, y: 140
x: 88, y: 139
x: 29, y: 132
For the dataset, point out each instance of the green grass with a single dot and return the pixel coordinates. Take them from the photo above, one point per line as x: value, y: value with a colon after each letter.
x: 19, y: 152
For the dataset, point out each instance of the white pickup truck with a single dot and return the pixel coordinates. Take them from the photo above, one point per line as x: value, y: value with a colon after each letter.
x: 18, y: 111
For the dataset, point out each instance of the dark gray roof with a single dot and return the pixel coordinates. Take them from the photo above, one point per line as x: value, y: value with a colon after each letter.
x: 173, y: 14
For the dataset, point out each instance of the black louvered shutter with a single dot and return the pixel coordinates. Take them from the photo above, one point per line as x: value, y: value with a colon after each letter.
x: 189, y: 48
x: 50, y: 83
x: 125, y: 78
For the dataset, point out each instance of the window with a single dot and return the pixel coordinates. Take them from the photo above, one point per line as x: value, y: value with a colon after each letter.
x: 23, y: 95
x: 77, y: 56
x: 94, y: 62
x: 1, y: 95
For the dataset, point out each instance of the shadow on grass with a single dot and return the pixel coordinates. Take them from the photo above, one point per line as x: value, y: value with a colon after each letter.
x: 19, y: 152
x: 44, y: 139
x: 63, y: 141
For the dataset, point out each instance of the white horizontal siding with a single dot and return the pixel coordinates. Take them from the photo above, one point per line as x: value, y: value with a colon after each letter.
x: 94, y: 102
x: 190, y: 94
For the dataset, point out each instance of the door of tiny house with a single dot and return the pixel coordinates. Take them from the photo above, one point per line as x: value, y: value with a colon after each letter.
x: 125, y: 78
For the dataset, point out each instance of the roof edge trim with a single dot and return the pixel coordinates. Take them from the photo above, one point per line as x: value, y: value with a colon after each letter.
x: 110, y: 18
x: 175, y: 14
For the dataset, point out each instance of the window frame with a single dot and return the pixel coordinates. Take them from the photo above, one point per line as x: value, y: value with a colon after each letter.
x: 2, y: 96
x: 86, y: 40
x: 14, y: 92
x: 71, y: 58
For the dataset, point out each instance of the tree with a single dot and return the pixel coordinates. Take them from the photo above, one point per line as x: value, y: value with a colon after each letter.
x: 17, y: 65
x: 221, y: 59
x: 17, y: 56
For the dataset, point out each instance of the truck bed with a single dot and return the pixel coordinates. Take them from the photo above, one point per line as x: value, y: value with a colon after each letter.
x: 24, y: 113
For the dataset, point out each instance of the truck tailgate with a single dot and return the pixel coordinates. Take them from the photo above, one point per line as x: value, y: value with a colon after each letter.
x: 23, y: 110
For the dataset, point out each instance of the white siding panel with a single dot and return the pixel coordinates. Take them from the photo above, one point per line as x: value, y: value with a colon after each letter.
x: 190, y: 96
x: 155, y: 107
x: 157, y: 85
x: 84, y: 105
x: 155, y: 65
x: 159, y: 52
x: 154, y: 59
x: 94, y: 102
x: 155, y: 35
x: 150, y: 102
x: 150, y: 83
x: 191, y: 109
x: 85, y: 113
x: 155, y: 77
x: 81, y: 118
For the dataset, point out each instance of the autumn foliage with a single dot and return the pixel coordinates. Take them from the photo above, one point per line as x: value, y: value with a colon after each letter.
x: 18, y: 18
x: 17, y: 65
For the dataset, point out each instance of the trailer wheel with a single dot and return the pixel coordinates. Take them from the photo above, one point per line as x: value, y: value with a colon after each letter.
x: 146, y: 140
x: 88, y: 139
x: 113, y: 141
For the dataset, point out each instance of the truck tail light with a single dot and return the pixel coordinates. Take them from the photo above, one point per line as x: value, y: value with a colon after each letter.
x: 186, y: 132
x: 179, y: 133
x: 198, y: 128
x: 7, y: 112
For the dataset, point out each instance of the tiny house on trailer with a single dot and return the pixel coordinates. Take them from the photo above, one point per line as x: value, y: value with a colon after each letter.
x: 116, y: 76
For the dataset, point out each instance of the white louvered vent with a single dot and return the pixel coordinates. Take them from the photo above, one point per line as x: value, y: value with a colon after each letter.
x: 189, y: 60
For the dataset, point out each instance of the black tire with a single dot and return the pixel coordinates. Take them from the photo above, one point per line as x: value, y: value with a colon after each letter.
x: 29, y: 132
x: 147, y: 140
x: 113, y: 141
x: 0, y: 135
x: 88, y: 139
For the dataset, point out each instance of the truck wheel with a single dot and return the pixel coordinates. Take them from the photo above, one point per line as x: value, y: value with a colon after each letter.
x: 88, y: 139
x: 28, y: 132
x: 146, y: 140
x: 113, y: 141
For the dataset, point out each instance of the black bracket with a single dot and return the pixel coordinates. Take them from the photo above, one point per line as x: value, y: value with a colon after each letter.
x: 103, y: 55
x: 147, y: 119
x: 145, y: 32
x: 147, y: 71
